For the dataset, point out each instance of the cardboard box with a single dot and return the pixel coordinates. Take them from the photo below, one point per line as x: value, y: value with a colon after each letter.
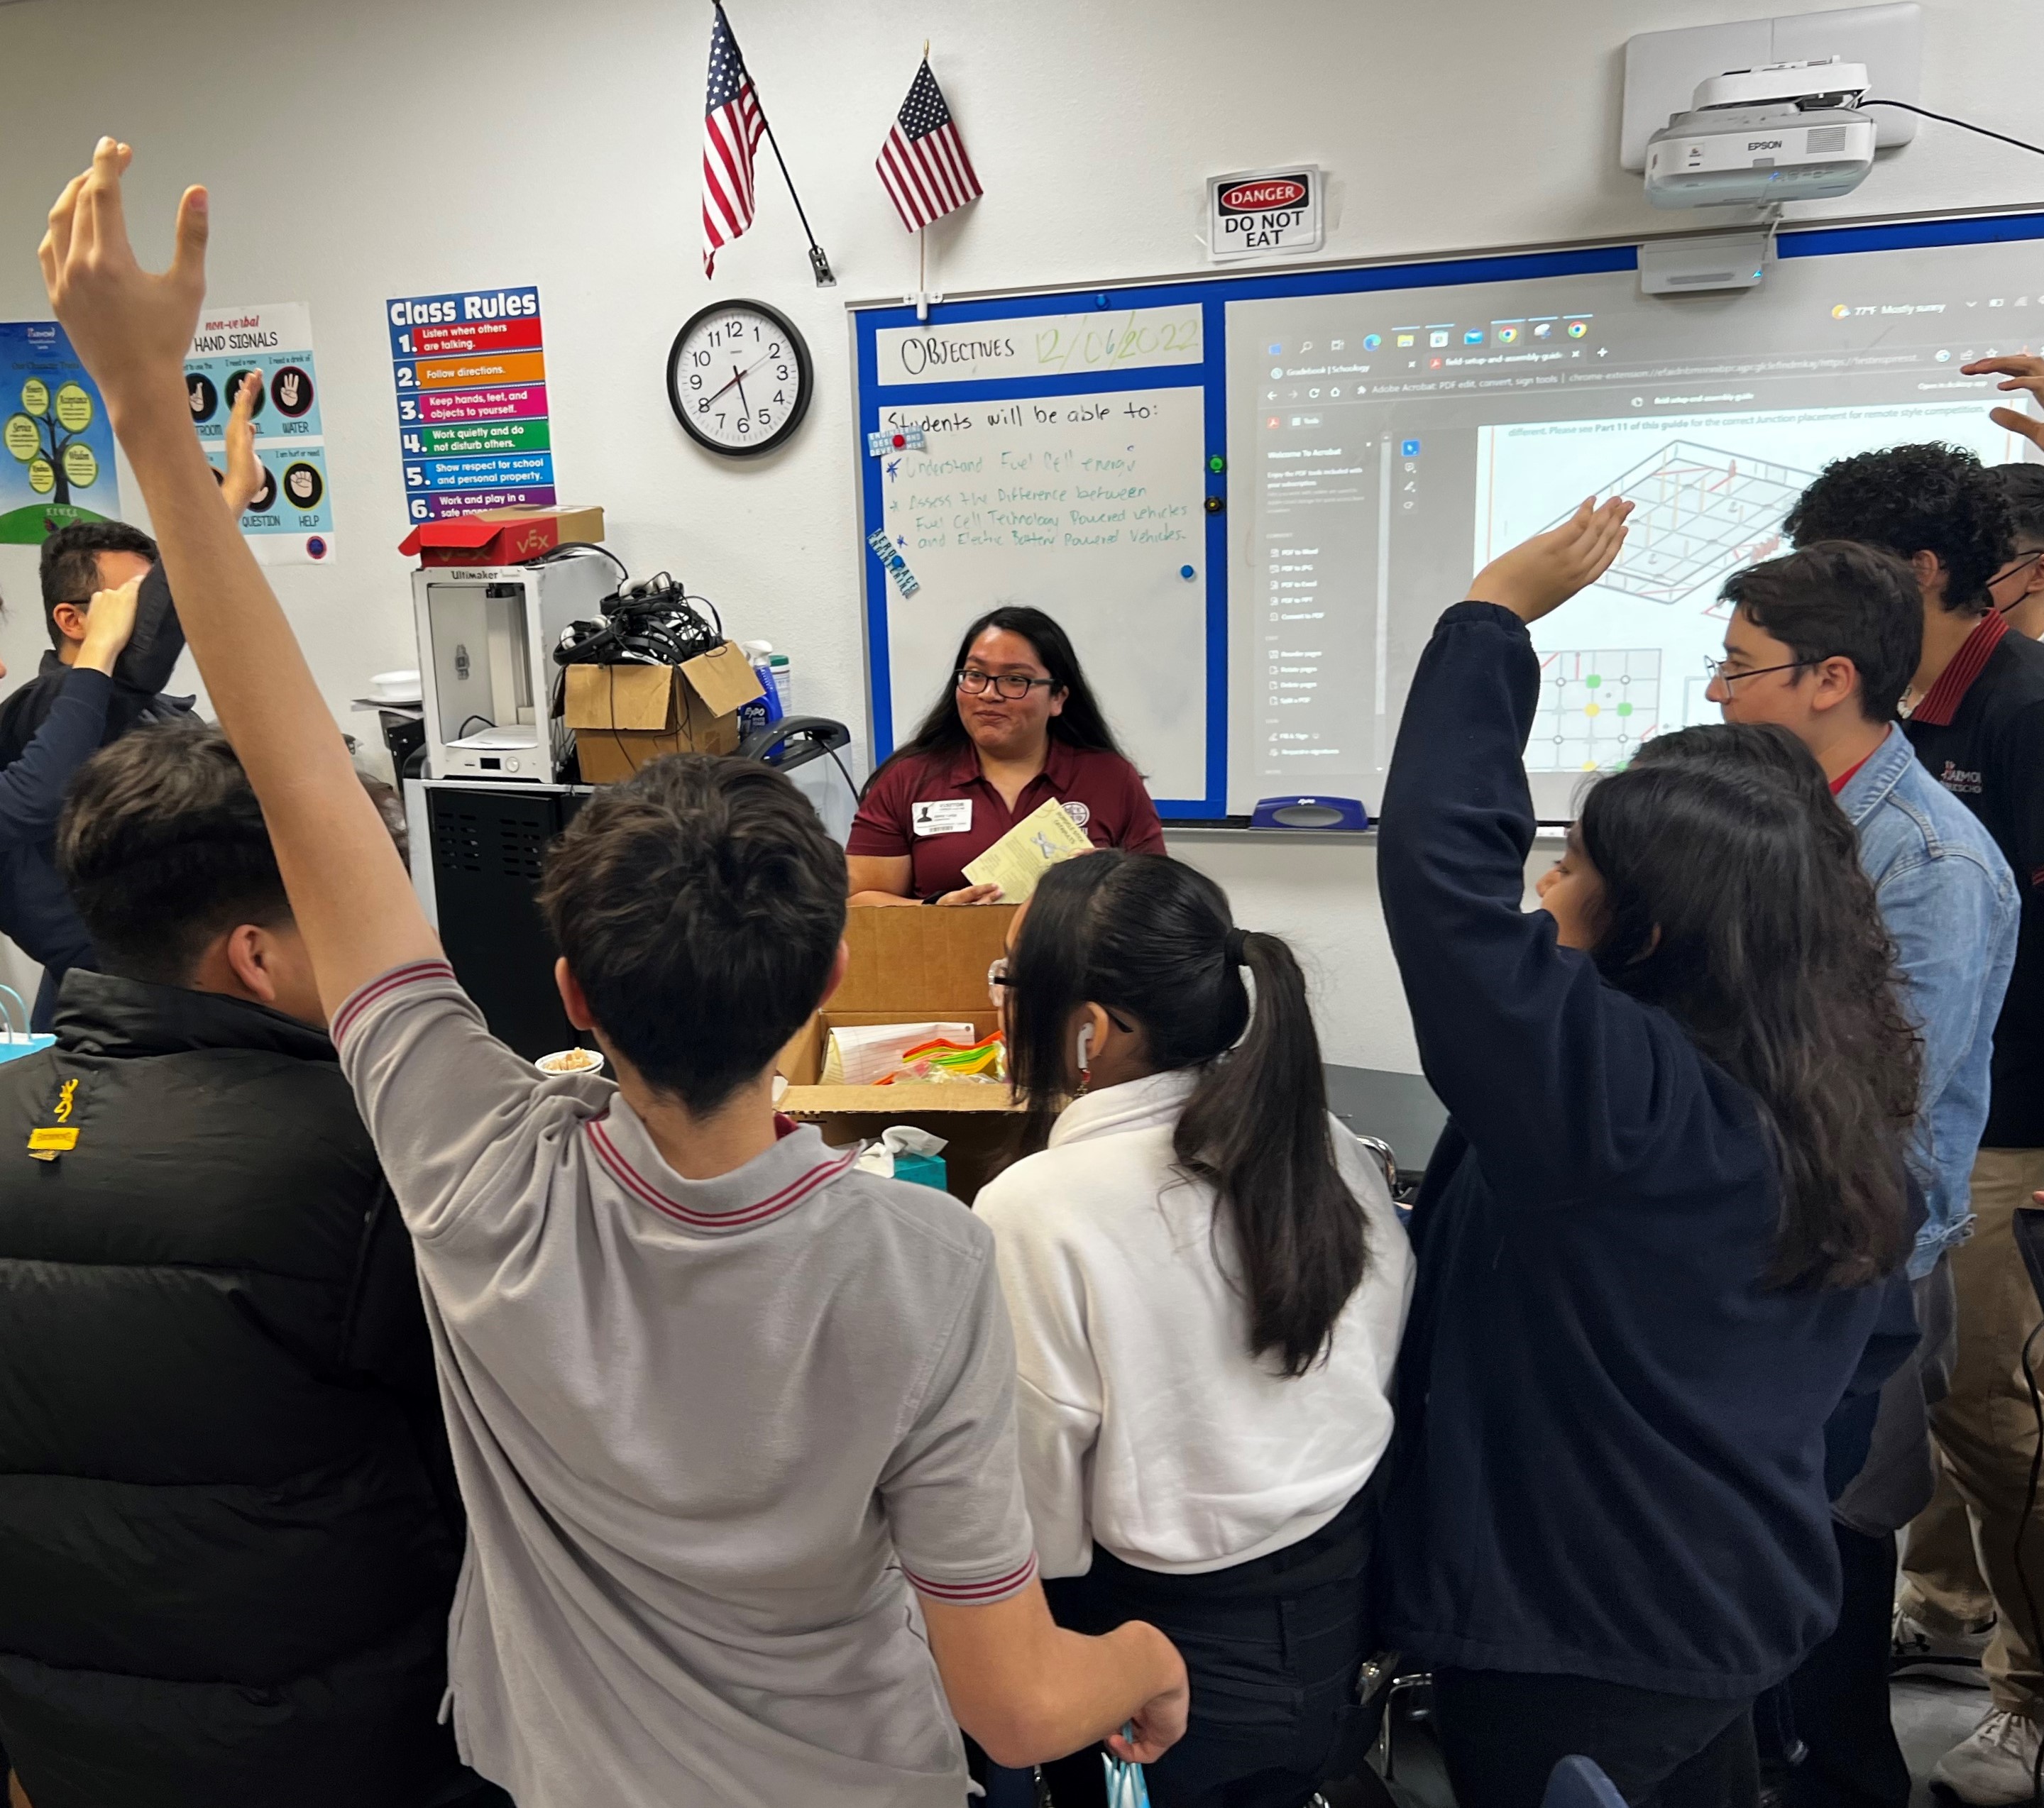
x: 909, y: 966
x: 624, y: 716
x: 501, y: 536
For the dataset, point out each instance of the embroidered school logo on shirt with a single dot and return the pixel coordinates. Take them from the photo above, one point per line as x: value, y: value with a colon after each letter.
x: 1954, y: 778
x: 1081, y: 814
x: 941, y: 815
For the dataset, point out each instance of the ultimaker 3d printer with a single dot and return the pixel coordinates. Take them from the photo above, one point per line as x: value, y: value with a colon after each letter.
x: 486, y: 671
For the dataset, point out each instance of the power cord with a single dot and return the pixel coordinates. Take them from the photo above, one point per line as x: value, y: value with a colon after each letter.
x: 848, y: 784
x: 567, y: 549
x: 1963, y: 124
x: 716, y: 620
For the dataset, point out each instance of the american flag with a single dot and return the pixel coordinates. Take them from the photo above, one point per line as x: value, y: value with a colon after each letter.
x: 923, y: 165
x: 732, y: 124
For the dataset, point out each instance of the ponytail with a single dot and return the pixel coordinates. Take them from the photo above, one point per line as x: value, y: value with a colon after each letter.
x: 1149, y: 939
x: 1255, y: 1130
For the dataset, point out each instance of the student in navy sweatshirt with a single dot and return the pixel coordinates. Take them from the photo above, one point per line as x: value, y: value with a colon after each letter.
x: 1656, y: 1240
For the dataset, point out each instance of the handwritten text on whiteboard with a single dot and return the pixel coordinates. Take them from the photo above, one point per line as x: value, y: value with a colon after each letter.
x: 1081, y: 344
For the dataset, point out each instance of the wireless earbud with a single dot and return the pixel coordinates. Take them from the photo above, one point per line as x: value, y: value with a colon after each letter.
x: 1083, y: 1055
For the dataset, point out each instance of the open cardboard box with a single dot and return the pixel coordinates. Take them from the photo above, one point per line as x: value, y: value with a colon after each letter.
x: 912, y: 966
x: 624, y: 716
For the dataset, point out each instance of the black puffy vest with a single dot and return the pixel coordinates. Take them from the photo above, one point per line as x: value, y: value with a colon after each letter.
x: 228, y: 1533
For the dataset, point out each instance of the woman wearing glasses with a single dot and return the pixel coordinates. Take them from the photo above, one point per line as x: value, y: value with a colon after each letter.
x: 1017, y: 728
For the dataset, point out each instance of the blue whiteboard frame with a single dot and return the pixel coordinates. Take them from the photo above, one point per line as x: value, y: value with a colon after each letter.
x: 1213, y: 293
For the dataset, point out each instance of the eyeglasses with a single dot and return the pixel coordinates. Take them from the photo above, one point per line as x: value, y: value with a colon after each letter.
x: 997, y: 981
x: 1010, y: 685
x: 1719, y: 675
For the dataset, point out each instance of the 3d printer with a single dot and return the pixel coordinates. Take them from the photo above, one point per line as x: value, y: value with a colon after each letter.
x: 486, y: 670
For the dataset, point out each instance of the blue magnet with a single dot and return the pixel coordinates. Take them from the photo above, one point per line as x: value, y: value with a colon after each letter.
x: 1187, y: 573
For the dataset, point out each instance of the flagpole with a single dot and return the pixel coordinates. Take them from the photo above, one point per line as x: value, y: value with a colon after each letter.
x: 818, y: 262
x: 922, y: 244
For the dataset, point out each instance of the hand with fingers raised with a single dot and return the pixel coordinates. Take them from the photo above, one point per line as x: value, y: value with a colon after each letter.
x: 244, y: 481
x: 132, y: 327
x: 1536, y: 577
x: 2022, y: 371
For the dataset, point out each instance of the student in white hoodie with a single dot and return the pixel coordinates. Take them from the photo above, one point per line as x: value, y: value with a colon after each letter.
x: 1208, y: 1285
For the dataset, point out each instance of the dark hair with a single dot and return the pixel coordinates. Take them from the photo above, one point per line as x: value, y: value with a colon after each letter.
x: 1839, y: 599
x: 1912, y: 499
x: 1148, y: 938
x: 2023, y: 487
x: 1734, y: 900
x: 699, y: 905
x: 70, y: 563
x: 1079, y: 724
x: 163, y: 847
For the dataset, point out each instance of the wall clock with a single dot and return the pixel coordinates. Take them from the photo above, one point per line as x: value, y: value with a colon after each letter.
x: 738, y: 378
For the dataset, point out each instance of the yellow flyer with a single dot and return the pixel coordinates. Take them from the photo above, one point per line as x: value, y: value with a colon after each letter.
x: 1027, y: 851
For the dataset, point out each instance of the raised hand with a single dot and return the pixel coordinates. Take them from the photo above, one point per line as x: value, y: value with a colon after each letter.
x: 132, y: 329
x: 349, y: 892
x: 109, y: 624
x: 1538, y: 575
x: 2023, y: 372
x: 244, y: 481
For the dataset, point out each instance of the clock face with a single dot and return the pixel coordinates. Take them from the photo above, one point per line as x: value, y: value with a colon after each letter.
x: 738, y: 378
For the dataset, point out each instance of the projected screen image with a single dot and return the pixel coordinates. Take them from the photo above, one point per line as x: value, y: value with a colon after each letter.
x: 1385, y: 446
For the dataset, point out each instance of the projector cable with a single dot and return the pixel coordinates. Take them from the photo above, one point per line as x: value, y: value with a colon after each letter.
x: 1964, y: 125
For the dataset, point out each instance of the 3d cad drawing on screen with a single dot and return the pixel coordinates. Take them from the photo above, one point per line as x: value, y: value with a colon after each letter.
x: 1699, y: 512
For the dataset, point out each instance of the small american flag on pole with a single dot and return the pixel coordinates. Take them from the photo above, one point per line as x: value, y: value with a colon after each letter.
x: 923, y: 165
x: 732, y: 123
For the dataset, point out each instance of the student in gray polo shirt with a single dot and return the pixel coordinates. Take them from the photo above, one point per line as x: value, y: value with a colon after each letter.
x: 733, y: 1424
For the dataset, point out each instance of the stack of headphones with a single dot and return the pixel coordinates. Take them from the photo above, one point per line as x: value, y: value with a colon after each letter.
x: 651, y: 623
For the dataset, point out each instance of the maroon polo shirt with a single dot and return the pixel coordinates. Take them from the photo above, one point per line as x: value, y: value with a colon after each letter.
x: 939, y: 809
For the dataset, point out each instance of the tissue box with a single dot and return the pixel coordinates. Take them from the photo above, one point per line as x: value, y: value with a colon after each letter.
x: 898, y: 1157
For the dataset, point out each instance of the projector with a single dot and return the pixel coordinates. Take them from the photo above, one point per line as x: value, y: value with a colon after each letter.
x: 1789, y: 132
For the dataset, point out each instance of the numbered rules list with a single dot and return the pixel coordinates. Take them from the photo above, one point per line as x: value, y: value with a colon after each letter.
x: 290, y: 521
x: 470, y: 371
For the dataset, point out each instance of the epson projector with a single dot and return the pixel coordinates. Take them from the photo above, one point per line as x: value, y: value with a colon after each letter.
x: 1790, y: 131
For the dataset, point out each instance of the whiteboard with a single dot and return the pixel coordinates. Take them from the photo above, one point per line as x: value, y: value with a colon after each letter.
x: 1077, y: 505
x: 1248, y: 497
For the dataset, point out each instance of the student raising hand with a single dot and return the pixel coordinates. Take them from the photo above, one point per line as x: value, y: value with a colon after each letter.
x: 131, y: 328
x: 1536, y: 577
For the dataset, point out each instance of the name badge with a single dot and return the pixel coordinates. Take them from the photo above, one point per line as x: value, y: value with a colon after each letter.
x: 941, y: 815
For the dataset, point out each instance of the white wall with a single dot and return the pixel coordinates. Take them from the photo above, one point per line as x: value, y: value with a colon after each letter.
x: 375, y: 147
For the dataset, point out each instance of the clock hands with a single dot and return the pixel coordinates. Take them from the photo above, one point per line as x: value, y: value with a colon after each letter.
x: 735, y: 385
x: 737, y: 376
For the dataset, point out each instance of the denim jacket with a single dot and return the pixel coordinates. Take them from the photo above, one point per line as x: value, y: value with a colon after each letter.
x: 1950, y: 903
